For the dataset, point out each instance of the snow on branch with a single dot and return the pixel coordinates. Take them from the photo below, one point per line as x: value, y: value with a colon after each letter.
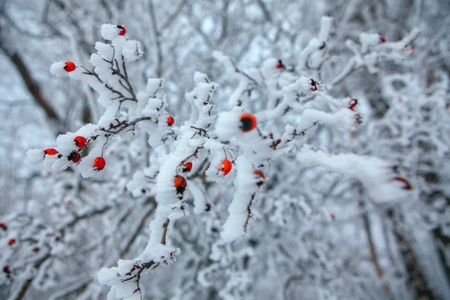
x: 210, y: 147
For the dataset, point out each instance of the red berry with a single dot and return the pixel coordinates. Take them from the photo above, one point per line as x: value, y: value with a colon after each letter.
x: 36, y: 250
x: 225, y: 167
x: 352, y: 103
x: 99, y: 163
x: 170, y: 121
x: 69, y: 67
x: 6, y: 270
x: 260, y: 174
x: 74, y: 156
x: 280, y: 65
x: 122, y: 30
x: 3, y: 226
x: 50, y: 151
x: 80, y: 141
x: 187, y: 167
x: 406, y: 184
x: 313, y: 84
x: 382, y: 39
x: 248, y: 122
x: 12, y: 242
x: 180, y: 184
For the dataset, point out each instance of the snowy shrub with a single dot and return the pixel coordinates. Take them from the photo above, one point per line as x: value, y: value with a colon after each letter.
x: 271, y: 178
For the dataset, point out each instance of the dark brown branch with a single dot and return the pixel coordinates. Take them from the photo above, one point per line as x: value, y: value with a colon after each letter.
x: 373, y: 253
x: 249, y: 212
x: 163, y: 238
x: 32, y: 86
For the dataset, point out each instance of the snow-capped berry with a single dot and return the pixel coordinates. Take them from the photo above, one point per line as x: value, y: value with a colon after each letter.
x: 69, y: 67
x: 382, y: 39
x: 74, y: 156
x: 187, y: 167
x: 122, y: 30
x: 259, y: 175
x: 11, y: 242
x: 225, y: 167
x: 352, y: 103
x: 3, y: 226
x: 314, y: 85
x: 99, y: 163
x: 80, y: 141
x: 170, y: 121
x: 406, y: 184
x: 50, y: 151
x: 248, y: 122
x: 180, y: 184
x: 36, y: 250
x: 6, y: 270
x: 280, y: 65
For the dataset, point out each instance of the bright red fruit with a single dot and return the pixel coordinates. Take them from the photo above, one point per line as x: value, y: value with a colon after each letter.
x: 69, y: 67
x: 382, y: 39
x: 12, y: 242
x: 280, y: 65
x: 80, y: 141
x: 74, y: 156
x: 170, y: 121
x: 314, y: 85
x: 225, y: 167
x: 50, y: 151
x: 36, y: 250
x: 248, y: 122
x: 352, y: 103
x: 260, y: 174
x: 187, y: 167
x: 99, y: 163
x: 122, y: 30
x: 180, y: 184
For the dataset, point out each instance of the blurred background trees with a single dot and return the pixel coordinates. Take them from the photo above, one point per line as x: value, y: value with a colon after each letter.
x: 317, y: 235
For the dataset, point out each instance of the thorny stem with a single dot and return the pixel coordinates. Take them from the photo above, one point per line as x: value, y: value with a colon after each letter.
x: 249, y: 212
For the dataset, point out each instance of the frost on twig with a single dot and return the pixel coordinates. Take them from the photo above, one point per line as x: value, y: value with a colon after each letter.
x: 188, y: 154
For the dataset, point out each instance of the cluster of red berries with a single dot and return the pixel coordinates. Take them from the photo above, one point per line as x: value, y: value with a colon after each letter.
x: 75, y: 156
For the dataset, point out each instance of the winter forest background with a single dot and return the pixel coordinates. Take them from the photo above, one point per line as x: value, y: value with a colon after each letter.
x: 328, y: 197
